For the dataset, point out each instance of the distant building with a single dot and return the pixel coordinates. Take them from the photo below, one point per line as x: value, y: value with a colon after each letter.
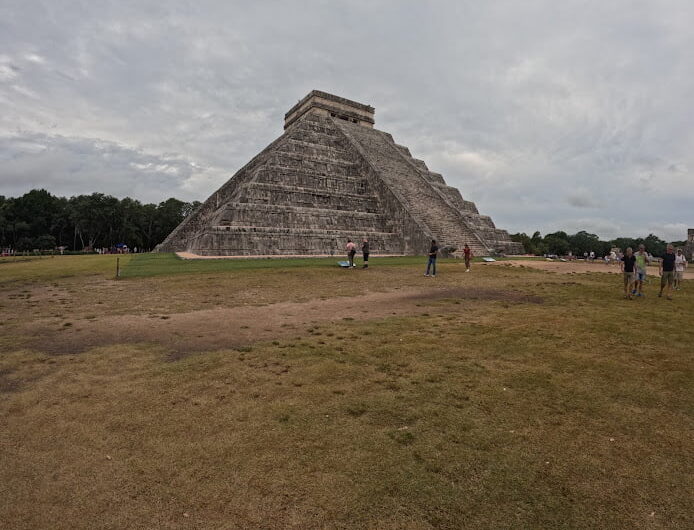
x: 689, y: 247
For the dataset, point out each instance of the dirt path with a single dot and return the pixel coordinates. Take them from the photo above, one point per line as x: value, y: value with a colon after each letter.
x: 577, y: 267
x: 231, y: 327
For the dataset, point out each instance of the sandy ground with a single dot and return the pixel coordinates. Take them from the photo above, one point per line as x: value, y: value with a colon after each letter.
x: 579, y: 267
x: 231, y: 327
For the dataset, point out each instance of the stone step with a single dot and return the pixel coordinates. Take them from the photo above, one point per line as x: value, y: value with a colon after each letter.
x: 333, y: 150
x: 347, y: 234
x: 311, y: 156
x: 308, y: 124
x: 296, y: 159
x: 279, y: 194
x: 249, y: 214
x: 406, y: 176
x: 268, y: 240
x: 311, y: 179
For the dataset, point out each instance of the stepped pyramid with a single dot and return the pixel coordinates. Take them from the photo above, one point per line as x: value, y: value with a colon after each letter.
x: 331, y: 176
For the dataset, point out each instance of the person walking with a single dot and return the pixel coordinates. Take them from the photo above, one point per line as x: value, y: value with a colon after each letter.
x: 351, y: 249
x: 365, y: 253
x: 628, y: 266
x: 431, y: 264
x: 667, y: 272
x: 467, y: 254
x: 680, y: 265
x: 642, y: 261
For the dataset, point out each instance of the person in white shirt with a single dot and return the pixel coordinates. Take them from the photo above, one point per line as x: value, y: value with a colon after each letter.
x: 680, y: 265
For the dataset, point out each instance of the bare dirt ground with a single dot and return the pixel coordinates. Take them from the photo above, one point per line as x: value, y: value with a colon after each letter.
x: 578, y: 267
x: 232, y: 327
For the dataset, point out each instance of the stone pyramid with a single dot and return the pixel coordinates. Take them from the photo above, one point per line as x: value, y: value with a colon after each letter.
x: 331, y: 176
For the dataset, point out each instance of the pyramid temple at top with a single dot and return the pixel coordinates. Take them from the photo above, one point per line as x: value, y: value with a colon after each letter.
x: 331, y: 176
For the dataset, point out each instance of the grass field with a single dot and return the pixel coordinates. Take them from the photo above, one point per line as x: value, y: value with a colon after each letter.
x: 294, y: 394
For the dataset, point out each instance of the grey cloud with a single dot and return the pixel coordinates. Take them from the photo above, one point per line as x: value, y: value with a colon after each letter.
x: 584, y: 199
x: 85, y: 165
x: 518, y: 104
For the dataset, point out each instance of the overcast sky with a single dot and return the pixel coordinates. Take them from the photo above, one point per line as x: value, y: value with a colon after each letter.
x: 548, y: 114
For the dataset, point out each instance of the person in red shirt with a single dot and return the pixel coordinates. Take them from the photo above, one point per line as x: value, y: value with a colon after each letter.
x: 467, y: 254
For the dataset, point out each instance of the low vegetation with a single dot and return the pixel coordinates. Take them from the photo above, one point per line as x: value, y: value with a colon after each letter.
x: 583, y: 243
x: 292, y: 393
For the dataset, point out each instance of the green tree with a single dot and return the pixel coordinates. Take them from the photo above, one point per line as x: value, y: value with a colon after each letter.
x: 4, y: 221
x: 525, y: 240
x: 655, y: 245
x: 556, y: 245
x: 25, y: 243
x: 45, y: 242
x: 90, y: 217
x: 623, y: 243
x: 169, y: 215
x: 583, y: 242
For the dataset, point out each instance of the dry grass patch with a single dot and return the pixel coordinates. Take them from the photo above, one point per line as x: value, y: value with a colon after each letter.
x: 489, y: 411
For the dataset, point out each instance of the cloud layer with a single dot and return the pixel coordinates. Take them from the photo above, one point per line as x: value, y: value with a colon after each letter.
x: 550, y: 115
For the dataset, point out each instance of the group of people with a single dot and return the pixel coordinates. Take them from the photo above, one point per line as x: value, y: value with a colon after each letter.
x: 671, y: 269
x: 633, y: 266
x: 434, y: 252
x: 351, y: 249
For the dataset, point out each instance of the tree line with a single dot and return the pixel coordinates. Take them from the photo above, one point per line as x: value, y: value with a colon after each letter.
x: 580, y: 243
x: 40, y: 220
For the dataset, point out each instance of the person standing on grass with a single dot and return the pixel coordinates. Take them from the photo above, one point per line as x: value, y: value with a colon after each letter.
x: 467, y: 254
x: 642, y: 261
x: 628, y: 266
x: 667, y: 272
x: 431, y: 264
x: 365, y: 253
x: 680, y: 265
x: 351, y: 251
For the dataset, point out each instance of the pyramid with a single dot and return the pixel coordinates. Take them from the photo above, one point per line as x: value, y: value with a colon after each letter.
x: 332, y: 176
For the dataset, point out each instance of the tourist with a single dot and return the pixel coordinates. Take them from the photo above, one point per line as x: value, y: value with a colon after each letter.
x: 680, y: 265
x: 365, y: 253
x: 628, y: 265
x: 667, y: 272
x: 591, y: 256
x: 351, y: 251
x: 431, y: 264
x: 467, y: 254
x: 642, y: 261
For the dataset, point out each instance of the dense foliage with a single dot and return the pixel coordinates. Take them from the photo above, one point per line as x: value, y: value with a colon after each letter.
x: 40, y: 220
x: 582, y: 242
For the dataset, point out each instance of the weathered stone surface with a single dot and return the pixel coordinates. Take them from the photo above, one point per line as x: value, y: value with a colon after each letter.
x: 689, y: 246
x: 329, y: 177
